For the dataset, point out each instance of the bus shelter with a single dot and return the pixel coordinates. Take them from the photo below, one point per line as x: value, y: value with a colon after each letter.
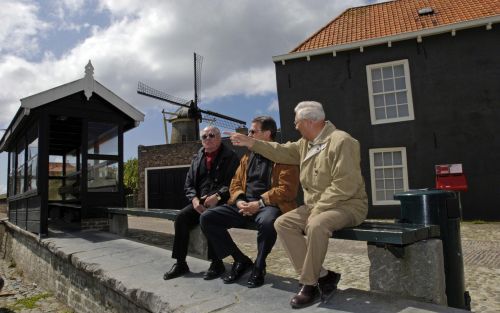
x: 65, y: 155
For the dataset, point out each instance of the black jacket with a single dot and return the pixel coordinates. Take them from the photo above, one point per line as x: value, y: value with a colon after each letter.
x: 226, y: 163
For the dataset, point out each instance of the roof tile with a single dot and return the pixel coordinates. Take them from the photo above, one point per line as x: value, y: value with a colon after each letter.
x: 395, y: 17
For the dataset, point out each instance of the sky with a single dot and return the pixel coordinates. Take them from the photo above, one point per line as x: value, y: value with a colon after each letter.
x: 44, y: 44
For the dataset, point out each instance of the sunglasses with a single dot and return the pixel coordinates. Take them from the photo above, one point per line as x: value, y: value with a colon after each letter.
x: 253, y: 131
x: 209, y: 135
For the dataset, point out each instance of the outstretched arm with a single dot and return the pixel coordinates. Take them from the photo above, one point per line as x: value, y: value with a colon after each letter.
x: 240, y: 140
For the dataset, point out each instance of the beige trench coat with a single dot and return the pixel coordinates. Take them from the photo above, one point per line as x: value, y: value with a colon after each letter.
x: 330, y: 172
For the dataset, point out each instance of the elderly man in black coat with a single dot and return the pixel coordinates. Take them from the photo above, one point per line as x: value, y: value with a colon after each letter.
x: 207, y: 185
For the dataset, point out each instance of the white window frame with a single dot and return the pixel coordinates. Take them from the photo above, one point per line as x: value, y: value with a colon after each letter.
x: 372, y: 173
x: 409, y: 96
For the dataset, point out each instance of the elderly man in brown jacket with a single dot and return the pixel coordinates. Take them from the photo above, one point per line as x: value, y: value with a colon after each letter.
x: 259, y: 192
x: 334, y: 195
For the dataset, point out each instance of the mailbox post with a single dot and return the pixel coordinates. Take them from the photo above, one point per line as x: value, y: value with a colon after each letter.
x: 436, y: 207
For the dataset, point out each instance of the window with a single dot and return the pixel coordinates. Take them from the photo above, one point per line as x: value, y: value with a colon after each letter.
x: 102, y: 176
x: 32, y: 164
x: 389, y: 92
x: 56, y: 176
x: 103, y: 158
x: 389, y: 174
x: 12, y: 173
x: 20, y: 168
x: 103, y: 139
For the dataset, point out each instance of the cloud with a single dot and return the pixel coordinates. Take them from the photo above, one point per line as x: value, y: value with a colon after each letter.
x: 273, y: 106
x: 153, y: 41
x: 20, y: 25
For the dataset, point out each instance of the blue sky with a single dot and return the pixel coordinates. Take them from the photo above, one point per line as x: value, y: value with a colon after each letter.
x: 44, y: 44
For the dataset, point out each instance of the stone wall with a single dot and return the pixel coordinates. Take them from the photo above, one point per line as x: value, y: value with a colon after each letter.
x: 95, y: 223
x: 420, y: 273
x: 79, y: 287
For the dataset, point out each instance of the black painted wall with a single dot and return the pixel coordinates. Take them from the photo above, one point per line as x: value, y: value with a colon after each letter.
x: 456, y: 100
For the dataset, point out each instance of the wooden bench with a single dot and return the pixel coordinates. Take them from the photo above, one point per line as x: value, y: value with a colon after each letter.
x: 406, y: 259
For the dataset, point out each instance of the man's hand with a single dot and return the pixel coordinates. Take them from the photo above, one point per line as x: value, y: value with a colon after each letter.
x: 211, y: 201
x: 241, y: 140
x: 197, y: 206
x: 248, y: 208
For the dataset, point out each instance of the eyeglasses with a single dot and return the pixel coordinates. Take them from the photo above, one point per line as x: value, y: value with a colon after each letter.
x: 253, y: 131
x: 209, y: 135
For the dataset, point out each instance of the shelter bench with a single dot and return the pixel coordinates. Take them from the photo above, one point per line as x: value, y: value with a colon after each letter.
x: 403, y: 257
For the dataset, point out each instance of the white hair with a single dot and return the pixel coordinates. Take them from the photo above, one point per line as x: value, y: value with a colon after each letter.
x: 310, y: 110
x: 214, y: 129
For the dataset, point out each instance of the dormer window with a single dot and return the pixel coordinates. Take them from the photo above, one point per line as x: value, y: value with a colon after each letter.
x: 425, y: 11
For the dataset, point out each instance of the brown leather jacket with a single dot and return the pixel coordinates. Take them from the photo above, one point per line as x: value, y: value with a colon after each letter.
x: 284, y: 185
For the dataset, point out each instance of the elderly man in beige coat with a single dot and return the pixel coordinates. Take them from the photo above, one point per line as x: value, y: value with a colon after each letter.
x: 334, y: 195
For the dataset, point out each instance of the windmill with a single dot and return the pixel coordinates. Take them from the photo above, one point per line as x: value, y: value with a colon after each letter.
x: 189, y: 110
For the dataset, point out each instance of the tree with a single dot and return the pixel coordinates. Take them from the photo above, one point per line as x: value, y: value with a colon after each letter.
x: 131, y: 176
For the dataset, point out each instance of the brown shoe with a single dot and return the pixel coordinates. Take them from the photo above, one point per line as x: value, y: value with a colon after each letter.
x: 327, y: 285
x: 307, y: 295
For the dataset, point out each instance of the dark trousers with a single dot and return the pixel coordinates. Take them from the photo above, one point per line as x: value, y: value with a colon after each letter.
x: 187, y: 219
x: 215, y: 223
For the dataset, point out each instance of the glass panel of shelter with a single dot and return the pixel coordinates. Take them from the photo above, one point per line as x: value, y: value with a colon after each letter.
x: 65, y: 159
x: 103, y: 158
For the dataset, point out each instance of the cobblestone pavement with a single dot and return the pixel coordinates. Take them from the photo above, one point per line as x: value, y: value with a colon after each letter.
x: 480, y: 247
x: 480, y: 244
x: 20, y: 295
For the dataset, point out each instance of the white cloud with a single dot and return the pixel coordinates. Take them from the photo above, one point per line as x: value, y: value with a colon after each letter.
x: 153, y: 41
x: 273, y: 106
x: 73, y: 5
x: 20, y: 25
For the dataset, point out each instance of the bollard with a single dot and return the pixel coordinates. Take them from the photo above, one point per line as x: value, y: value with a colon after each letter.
x: 438, y: 207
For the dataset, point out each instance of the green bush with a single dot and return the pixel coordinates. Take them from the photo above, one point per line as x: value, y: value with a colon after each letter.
x: 131, y: 176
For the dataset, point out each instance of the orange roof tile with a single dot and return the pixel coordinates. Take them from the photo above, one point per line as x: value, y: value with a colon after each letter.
x: 396, y: 17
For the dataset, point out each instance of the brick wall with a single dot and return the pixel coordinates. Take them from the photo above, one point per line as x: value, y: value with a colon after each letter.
x: 163, y: 155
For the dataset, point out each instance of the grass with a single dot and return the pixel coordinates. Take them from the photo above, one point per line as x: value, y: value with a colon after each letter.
x: 478, y: 222
x: 29, y: 303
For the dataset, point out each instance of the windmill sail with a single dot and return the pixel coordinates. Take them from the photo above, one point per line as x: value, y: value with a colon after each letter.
x: 197, y: 114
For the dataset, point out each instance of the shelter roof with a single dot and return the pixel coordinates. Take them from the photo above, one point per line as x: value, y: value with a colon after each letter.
x: 87, y: 84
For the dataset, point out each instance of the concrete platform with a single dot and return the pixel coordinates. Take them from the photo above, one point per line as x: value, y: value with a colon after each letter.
x: 135, y: 272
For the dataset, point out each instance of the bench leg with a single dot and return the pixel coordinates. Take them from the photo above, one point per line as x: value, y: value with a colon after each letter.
x: 118, y: 224
x: 419, y: 273
x: 198, y: 245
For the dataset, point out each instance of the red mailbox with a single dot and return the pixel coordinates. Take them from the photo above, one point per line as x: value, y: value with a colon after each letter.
x: 450, y: 177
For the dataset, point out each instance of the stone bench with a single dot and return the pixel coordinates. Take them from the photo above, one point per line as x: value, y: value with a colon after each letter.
x: 405, y: 259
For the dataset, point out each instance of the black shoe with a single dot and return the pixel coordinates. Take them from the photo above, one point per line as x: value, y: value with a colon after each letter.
x: 178, y: 269
x: 307, y: 295
x: 238, y: 269
x: 327, y: 285
x: 256, y: 279
x: 215, y: 270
